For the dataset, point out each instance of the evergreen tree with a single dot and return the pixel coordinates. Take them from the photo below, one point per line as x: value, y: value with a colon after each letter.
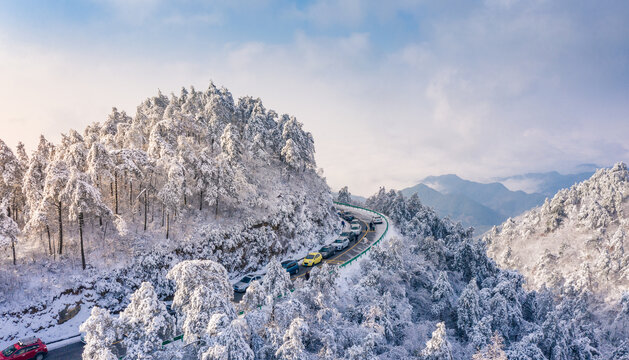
x: 202, y: 289
x: 57, y: 176
x: 442, y: 295
x: 437, y: 348
x: 101, y: 332
x: 344, y: 196
x: 468, y: 309
x: 493, y: 351
x: 8, y: 230
x: 293, y: 347
x: 226, y: 339
x: 146, y: 324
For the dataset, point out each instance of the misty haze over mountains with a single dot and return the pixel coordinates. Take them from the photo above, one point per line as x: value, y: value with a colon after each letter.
x: 484, y: 205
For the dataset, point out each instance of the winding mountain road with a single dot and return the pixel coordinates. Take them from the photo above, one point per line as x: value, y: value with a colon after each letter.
x: 364, y: 240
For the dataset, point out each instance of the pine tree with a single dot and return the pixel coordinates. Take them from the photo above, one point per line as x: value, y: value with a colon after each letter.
x: 82, y: 199
x: 442, y: 295
x: 101, y: 332
x: 227, y: 339
x: 254, y: 297
x: 468, y: 309
x: 8, y: 230
x: 11, y: 175
x: 146, y: 324
x: 437, y: 348
x: 202, y: 290
x: 57, y: 176
x: 293, y: 347
x: 33, y: 189
x: 493, y: 351
x: 277, y: 282
x: 344, y: 196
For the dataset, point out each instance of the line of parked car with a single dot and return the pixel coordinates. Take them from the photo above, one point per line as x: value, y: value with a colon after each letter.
x: 315, y: 257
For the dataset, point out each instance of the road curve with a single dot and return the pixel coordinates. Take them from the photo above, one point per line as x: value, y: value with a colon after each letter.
x: 365, y: 239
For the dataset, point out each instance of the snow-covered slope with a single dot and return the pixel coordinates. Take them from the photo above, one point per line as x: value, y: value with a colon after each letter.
x: 428, y: 292
x: 191, y: 176
x: 575, y: 241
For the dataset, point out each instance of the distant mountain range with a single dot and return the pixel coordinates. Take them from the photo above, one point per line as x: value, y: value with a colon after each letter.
x: 544, y: 183
x: 483, y: 205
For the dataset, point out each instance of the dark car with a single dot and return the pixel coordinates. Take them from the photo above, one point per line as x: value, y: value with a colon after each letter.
x: 327, y: 251
x: 348, y: 217
x: 29, y: 348
x: 350, y: 235
x: 291, y: 266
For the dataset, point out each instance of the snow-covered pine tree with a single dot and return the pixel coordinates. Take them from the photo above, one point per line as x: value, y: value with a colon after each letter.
x: 101, y: 332
x: 437, y: 348
x: 11, y: 175
x: 227, y: 339
x: 51, y: 205
x: 276, y: 283
x: 202, y: 289
x: 468, y: 309
x: 146, y: 324
x: 442, y: 296
x: 493, y: 351
x: 293, y: 346
x: 83, y: 199
x: 344, y: 196
x: 8, y: 230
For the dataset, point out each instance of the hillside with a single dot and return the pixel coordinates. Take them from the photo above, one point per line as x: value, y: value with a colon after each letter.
x: 457, y: 207
x: 492, y: 195
x: 472, y: 203
x: 427, y: 292
x: 190, y: 176
x: 575, y: 241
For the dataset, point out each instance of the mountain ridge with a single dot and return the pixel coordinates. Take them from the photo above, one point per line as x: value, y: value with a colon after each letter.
x: 575, y: 241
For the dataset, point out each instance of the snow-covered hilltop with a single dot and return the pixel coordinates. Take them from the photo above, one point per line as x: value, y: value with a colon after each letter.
x: 576, y: 241
x: 193, y: 176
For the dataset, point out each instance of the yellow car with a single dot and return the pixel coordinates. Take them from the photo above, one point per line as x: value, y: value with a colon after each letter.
x: 313, y: 259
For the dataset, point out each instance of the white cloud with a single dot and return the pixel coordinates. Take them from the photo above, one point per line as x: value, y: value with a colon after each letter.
x: 491, y: 93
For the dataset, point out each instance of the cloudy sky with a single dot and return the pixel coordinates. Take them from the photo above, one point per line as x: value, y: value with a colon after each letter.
x: 392, y: 90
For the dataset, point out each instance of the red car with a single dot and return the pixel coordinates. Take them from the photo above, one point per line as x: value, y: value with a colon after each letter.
x: 25, y: 349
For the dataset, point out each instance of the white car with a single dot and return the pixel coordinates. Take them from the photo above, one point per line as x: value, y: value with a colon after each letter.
x: 356, y: 228
x: 340, y: 243
x: 377, y: 219
x: 244, y: 283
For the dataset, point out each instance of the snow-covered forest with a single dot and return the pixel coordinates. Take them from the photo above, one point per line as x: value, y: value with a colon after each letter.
x: 428, y: 292
x: 190, y: 176
x: 197, y: 189
x: 574, y: 242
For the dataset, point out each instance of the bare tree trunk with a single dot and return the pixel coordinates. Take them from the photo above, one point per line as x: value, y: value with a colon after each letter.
x: 201, y: 200
x: 218, y: 183
x: 167, y: 225
x: 60, y: 230
x: 13, y: 248
x: 163, y: 210
x: 81, y: 237
x: 116, y: 190
x: 146, y: 208
x: 130, y: 193
x: 216, y: 207
x: 49, y: 242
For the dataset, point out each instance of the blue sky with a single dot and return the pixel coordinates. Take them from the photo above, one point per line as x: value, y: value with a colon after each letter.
x: 411, y: 88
